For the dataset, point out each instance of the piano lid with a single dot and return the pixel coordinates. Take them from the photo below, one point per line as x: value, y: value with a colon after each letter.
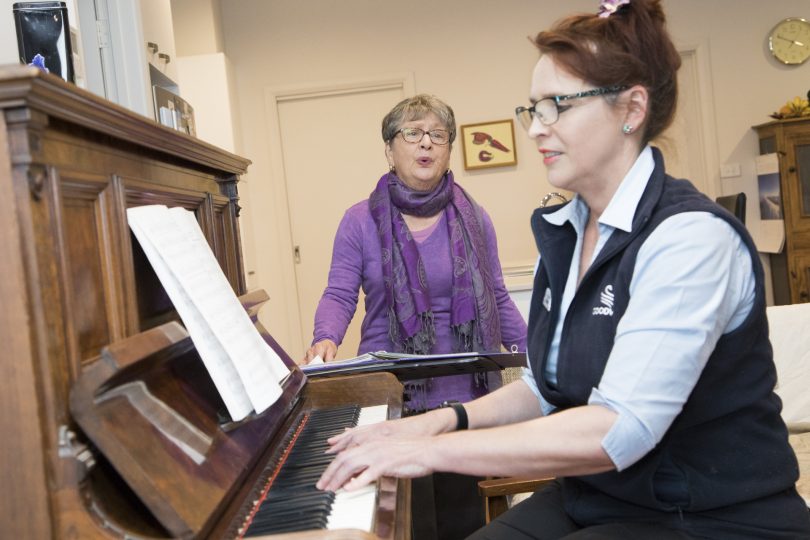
x: 152, y: 410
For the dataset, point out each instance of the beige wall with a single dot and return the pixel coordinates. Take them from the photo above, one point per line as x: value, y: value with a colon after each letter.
x: 475, y: 55
x: 197, y: 27
x: 472, y: 53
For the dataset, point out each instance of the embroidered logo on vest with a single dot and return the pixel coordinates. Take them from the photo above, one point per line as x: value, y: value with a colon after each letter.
x: 547, y: 299
x: 606, y: 297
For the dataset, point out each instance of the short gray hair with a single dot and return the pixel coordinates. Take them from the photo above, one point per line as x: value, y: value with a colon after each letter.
x: 416, y: 108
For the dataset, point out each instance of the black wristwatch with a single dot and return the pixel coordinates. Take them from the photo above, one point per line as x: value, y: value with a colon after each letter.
x: 461, y: 413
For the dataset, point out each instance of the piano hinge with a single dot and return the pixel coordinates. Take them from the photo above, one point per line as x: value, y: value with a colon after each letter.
x: 36, y: 181
x: 70, y: 448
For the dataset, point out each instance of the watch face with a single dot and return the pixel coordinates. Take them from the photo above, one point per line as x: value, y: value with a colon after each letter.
x: 790, y: 41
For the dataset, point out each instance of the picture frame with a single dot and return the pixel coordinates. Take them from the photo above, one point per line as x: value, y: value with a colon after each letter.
x: 488, y: 144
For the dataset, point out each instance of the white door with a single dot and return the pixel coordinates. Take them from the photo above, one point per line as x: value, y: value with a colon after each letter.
x: 333, y: 155
x: 684, y: 143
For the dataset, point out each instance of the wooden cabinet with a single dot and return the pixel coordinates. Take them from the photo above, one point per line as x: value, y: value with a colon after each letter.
x: 790, y: 140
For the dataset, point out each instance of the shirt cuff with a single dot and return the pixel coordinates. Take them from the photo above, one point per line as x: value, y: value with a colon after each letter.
x: 528, y: 378
x: 628, y: 439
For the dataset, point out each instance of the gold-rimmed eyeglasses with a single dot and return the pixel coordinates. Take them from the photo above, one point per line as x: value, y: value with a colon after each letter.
x: 414, y: 135
x: 548, y: 110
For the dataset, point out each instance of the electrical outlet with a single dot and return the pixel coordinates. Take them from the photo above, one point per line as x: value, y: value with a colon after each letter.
x: 730, y: 170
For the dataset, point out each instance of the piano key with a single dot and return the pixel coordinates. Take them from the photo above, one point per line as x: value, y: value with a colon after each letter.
x: 372, y: 415
x: 355, y: 509
x: 294, y: 504
x: 277, y: 515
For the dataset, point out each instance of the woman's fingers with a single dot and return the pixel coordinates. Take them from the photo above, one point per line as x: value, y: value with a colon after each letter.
x: 360, y: 465
x: 355, y: 436
x: 340, y: 441
x: 329, y: 350
x: 326, y: 349
x: 346, y: 465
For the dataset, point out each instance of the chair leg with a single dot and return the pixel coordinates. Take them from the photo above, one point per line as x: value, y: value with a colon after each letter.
x: 496, y: 490
x: 495, y: 506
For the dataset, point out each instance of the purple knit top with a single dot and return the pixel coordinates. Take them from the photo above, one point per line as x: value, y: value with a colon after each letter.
x: 356, y: 262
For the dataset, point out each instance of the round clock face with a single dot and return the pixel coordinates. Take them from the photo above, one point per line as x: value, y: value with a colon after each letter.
x: 789, y: 41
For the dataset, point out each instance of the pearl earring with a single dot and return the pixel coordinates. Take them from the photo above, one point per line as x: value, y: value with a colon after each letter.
x: 627, y: 129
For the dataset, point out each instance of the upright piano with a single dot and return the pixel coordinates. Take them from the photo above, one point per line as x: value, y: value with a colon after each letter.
x: 111, y: 427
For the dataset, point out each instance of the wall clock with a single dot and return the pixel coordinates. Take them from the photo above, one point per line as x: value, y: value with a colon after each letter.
x: 789, y: 41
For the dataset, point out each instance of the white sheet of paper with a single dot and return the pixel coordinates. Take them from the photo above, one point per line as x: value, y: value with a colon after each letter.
x: 216, y: 360
x: 244, y: 368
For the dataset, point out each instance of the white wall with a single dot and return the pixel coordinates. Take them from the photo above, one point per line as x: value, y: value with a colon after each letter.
x: 8, y: 34
x: 475, y: 55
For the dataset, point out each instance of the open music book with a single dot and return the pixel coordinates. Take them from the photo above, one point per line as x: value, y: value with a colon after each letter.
x: 245, y: 370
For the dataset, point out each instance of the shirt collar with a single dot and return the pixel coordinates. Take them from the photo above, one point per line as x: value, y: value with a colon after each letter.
x: 622, y: 207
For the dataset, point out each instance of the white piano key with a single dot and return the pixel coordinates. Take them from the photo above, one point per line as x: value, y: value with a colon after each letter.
x: 372, y: 415
x: 355, y: 509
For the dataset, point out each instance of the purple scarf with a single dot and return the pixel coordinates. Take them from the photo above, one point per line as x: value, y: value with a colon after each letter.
x: 474, y: 312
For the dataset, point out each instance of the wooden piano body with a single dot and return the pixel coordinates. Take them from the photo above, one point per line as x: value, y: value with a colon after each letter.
x: 75, y: 283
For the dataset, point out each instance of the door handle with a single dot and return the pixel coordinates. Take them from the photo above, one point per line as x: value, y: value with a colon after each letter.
x: 297, y: 254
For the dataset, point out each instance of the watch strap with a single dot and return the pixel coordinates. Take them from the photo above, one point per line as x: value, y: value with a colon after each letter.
x: 462, y: 422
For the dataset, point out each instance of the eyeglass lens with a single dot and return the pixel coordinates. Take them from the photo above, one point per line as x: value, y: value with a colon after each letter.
x: 414, y: 135
x: 546, y: 111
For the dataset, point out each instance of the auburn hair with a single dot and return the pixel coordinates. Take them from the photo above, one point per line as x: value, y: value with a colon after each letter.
x: 631, y: 46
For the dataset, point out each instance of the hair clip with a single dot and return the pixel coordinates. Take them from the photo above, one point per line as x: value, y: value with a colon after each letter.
x: 609, y: 7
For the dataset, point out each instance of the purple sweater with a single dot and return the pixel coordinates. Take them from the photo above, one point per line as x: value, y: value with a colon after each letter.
x: 356, y: 262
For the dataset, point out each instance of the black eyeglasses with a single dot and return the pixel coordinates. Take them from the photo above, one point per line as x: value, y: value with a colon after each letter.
x: 414, y: 135
x: 548, y: 110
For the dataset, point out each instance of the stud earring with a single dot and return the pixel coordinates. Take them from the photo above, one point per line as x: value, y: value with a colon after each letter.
x: 627, y: 129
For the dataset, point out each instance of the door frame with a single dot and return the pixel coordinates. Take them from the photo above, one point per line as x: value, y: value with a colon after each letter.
x: 116, y: 66
x: 273, y: 97
x: 696, y: 56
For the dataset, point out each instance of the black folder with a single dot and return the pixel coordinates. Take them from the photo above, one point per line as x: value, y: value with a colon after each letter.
x: 407, y: 367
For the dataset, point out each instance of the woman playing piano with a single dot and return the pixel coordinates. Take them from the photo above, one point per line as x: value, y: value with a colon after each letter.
x: 650, y: 393
x: 426, y: 256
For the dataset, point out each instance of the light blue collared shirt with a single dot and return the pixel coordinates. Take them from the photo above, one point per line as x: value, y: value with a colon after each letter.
x: 693, y: 282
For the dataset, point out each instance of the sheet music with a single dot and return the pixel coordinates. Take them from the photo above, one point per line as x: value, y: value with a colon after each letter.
x: 244, y: 368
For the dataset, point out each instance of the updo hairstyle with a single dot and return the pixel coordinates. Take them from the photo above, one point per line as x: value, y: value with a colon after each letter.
x: 631, y: 46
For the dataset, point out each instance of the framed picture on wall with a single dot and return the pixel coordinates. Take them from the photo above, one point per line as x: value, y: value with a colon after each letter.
x: 488, y: 144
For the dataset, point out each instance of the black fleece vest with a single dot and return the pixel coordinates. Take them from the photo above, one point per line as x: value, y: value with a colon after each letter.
x: 729, y: 443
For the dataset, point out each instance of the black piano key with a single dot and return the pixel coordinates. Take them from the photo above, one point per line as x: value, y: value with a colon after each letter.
x: 301, y: 525
x: 299, y: 500
x: 309, y: 522
x: 281, y: 515
x: 303, y: 478
x: 285, y: 493
x: 293, y: 503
